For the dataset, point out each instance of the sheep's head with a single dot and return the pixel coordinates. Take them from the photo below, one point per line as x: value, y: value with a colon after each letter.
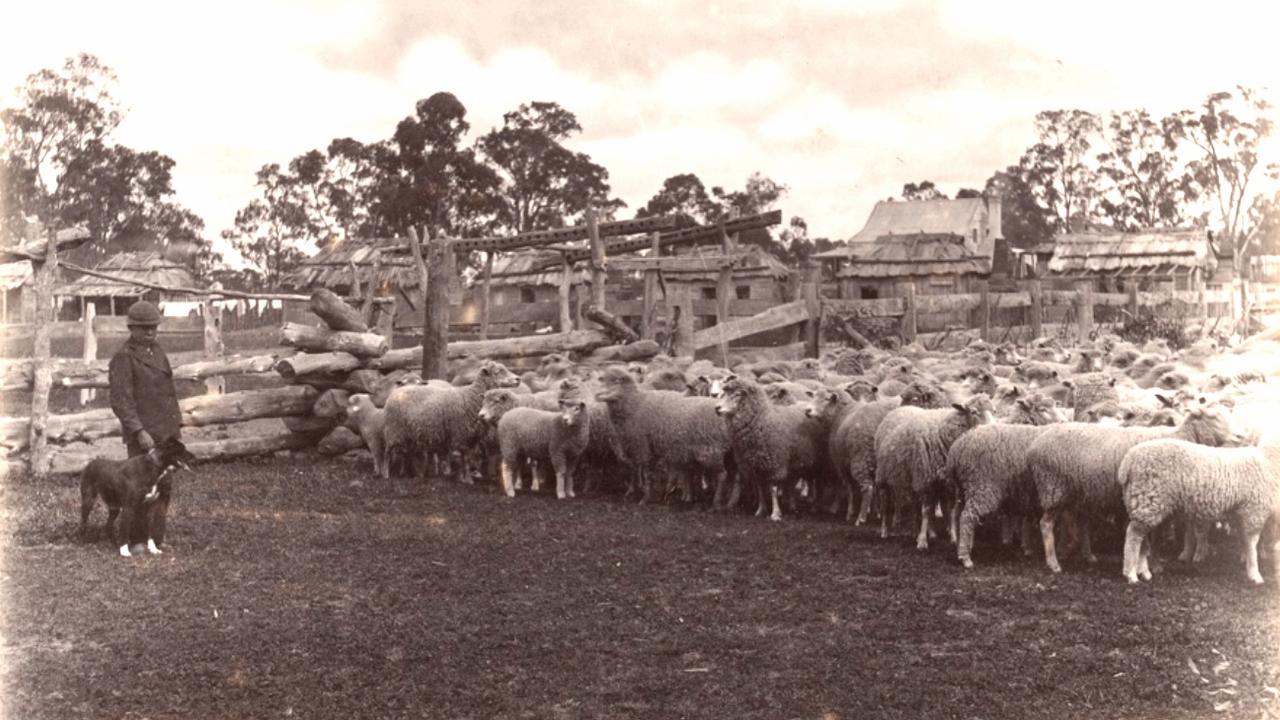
x: 861, y: 390
x: 1007, y: 395
x: 699, y: 386
x: 495, y: 375
x: 924, y: 395
x: 614, y: 384
x: 1123, y: 358
x: 981, y: 381
x: 1173, y: 380
x: 1210, y: 425
x: 736, y: 390
x: 496, y: 402
x: 977, y: 410
x: 359, y: 404
x: 1089, y: 361
x: 717, y: 385
x: 1007, y: 354
x: 637, y: 370
x: 827, y: 403
x: 779, y: 395
x: 572, y: 409
x: 809, y: 369
x: 1037, y: 409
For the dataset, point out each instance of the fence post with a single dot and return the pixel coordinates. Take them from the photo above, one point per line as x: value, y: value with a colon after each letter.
x: 1036, y: 321
x: 984, y: 309
x: 597, y: 259
x: 908, y: 312
x: 386, y: 326
x: 435, y: 326
x: 46, y: 314
x: 1133, y: 301
x: 650, y: 301
x: 682, y: 312
x: 213, y: 345
x: 812, y: 326
x: 90, y: 348
x: 1084, y: 310
x: 485, y: 297
x: 566, y: 289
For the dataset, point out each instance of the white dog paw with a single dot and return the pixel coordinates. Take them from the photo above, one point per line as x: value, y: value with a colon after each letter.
x: 124, y: 551
x: 151, y: 547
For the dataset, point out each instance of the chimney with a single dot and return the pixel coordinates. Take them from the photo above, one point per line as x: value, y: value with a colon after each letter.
x: 994, y: 215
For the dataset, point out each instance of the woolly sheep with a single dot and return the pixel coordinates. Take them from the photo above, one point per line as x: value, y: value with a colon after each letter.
x: 988, y: 468
x: 558, y: 438
x: 911, y: 454
x: 666, y: 379
x: 1164, y: 477
x: 764, y: 439
x: 370, y: 422
x: 854, y: 441
x: 1075, y: 464
x: 423, y: 419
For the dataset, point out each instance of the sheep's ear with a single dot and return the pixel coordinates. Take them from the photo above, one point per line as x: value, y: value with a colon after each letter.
x: 960, y: 407
x: 1054, y: 374
x: 1022, y: 403
x: 1065, y: 383
x: 1111, y: 382
x: 1165, y: 400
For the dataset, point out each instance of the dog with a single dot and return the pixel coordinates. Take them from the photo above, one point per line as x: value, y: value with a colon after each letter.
x: 131, y: 488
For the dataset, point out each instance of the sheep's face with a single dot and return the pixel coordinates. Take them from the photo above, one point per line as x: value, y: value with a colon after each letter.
x: 1007, y: 395
x: 1211, y: 426
x: 825, y: 404
x: 637, y: 371
x: 976, y: 411
x: 496, y: 375
x: 924, y: 396
x: 358, y: 405
x: 700, y: 386
x: 981, y: 381
x: 571, y: 411
x: 1007, y: 354
x: 1037, y: 409
x: 779, y: 395
x: 496, y: 402
x: 1089, y: 361
x: 717, y: 385
x: 614, y: 384
x: 734, y: 391
x: 861, y: 390
x: 1173, y: 380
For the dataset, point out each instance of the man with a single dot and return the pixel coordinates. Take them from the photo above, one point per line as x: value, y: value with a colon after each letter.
x: 144, y: 398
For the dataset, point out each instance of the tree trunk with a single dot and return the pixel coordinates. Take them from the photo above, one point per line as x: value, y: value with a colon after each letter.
x: 336, y: 313
x: 316, y: 339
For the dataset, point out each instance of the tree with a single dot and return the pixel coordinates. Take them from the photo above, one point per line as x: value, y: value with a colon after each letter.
x: 543, y: 183
x: 1057, y: 168
x: 1143, y: 185
x: 683, y: 196
x: 924, y: 190
x: 272, y: 231
x: 60, y: 164
x: 1228, y: 129
x: 1264, y: 218
x: 1023, y: 221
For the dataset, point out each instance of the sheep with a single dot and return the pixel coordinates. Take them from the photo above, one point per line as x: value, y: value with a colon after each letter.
x: 911, y: 453
x: 370, y: 423
x: 430, y: 418
x: 1163, y: 477
x: 987, y: 466
x: 764, y: 439
x: 1075, y: 464
x: 666, y: 379
x: 559, y: 438
x: 1089, y: 389
x: 661, y: 431
x: 854, y: 440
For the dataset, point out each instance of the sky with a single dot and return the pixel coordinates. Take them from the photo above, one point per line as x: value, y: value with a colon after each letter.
x: 843, y: 102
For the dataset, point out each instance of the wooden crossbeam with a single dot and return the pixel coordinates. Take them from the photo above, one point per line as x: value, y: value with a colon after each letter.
x: 563, y: 235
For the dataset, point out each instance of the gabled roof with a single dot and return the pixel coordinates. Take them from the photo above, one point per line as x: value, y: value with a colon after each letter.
x: 1116, y: 252
x: 918, y: 254
x: 964, y: 218
x: 379, y: 263
x: 150, y: 267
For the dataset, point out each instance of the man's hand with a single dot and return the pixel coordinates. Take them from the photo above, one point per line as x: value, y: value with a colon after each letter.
x: 144, y: 440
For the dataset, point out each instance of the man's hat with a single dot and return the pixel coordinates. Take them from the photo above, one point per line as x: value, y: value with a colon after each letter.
x: 143, y: 313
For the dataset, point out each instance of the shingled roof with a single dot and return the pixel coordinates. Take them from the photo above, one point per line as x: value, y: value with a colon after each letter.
x: 378, y: 262
x: 149, y: 267
x: 914, y: 255
x: 1151, y: 252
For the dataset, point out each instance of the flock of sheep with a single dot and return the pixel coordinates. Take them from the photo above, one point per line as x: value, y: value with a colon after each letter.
x: 1056, y: 440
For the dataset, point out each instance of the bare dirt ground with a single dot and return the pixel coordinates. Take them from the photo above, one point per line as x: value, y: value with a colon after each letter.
x: 302, y: 588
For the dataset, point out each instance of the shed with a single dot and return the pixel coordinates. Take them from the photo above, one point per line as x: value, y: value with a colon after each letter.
x: 381, y: 266
x: 940, y: 245
x: 16, y: 280
x: 113, y: 297
x: 1116, y: 261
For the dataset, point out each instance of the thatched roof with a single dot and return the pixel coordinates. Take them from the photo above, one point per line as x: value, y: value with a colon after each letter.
x: 379, y: 262
x: 914, y: 255
x: 14, y: 274
x: 529, y: 267
x: 150, y: 267
x: 1151, y: 252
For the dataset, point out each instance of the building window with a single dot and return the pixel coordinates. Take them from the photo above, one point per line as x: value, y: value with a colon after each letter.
x: 708, y: 293
x: 528, y: 295
x: 868, y: 293
x: 744, y: 292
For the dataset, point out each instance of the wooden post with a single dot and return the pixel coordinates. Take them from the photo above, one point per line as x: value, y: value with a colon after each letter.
x: 724, y: 296
x: 386, y: 326
x: 214, y: 349
x: 812, y: 326
x: 597, y: 259
x: 984, y: 309
x: 650, y: 292
x: 566, y: 292
x: 484, y: 296
x: 682, y: 311
x: 1036, y: 321
x: 908, y: 312
x: 435, y: 336
x: 1133, y: 300
x: 1202, y: 300
x: 46, y: 314
x: 1084, y: 310
x: 89, y: 310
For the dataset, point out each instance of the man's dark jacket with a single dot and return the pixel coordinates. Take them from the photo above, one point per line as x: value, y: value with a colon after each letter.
x: 142, y: 392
